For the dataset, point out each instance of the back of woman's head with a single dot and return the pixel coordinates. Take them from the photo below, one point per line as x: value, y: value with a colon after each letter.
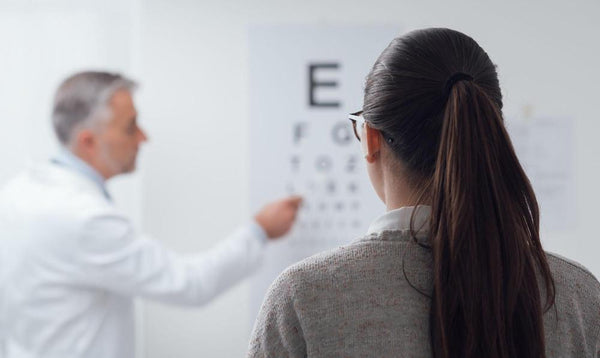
x: 434, y: 95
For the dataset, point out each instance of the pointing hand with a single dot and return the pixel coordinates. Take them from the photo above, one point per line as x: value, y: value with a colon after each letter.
x: 277, y: 217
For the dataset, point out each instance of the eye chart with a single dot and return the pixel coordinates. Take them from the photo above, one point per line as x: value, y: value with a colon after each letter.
x: 304, y: 80
x: 303, y: 83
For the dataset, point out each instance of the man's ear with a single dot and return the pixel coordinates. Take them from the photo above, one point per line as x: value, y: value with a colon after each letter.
x: 85, y: 141
x: 372, y: 143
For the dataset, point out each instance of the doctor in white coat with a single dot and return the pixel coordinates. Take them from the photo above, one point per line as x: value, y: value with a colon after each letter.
x: 72, y: 263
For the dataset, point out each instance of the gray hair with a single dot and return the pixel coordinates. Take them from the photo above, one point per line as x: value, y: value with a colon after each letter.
x: 82, y: 100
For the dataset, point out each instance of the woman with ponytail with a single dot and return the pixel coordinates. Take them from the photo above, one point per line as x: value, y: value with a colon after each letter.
x: 455, y: 268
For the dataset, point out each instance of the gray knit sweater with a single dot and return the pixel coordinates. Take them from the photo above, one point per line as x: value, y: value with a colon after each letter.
x: 363, y: 300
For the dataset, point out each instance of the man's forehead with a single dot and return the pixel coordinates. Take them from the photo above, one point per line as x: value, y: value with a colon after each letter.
x: 123, y: 106
x: 123, y: 98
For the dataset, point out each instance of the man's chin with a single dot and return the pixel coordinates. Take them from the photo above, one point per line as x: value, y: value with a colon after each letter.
x: 130, y: 169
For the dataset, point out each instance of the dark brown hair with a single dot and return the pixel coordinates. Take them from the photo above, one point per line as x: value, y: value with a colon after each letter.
x: 435, y: 96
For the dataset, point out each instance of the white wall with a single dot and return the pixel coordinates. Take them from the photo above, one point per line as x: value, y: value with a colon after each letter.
x: 191, y: 58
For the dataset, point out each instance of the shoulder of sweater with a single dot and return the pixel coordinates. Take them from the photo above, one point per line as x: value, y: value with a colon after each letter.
x: 569, y: 270
x: 323, y: 265
x: 337, y: 255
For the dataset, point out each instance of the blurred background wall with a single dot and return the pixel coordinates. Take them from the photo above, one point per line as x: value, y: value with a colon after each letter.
x: 191, y: 58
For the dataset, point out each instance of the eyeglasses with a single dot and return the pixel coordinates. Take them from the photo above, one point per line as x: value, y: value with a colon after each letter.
x: 358, y: 122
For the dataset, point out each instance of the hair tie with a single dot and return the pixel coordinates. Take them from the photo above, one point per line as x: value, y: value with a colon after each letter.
x: 458, y: 76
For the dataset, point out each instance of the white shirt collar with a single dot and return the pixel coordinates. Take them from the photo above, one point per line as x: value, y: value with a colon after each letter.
x: 71, y: 161
x: 399, y: 220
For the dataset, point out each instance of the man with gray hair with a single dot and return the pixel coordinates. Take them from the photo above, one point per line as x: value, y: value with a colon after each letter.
x: 72, y: 263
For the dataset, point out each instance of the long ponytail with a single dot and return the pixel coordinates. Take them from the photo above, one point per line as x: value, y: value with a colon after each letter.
x: 485, y: 238
x: 435, y: 96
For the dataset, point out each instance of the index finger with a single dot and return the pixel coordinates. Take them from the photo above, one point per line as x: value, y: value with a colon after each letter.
x: 294, y: 200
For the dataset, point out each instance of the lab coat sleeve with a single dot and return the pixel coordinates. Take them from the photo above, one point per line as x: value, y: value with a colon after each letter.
x: 112, y: 256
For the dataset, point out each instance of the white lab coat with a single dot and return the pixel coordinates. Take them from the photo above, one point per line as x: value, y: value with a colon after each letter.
x: 71, y: 265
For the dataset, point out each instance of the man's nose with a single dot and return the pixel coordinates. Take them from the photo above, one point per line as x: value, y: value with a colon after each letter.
x: 142, y: 136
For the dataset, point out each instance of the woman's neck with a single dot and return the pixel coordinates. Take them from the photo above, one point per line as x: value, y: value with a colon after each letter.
x: 398, y: 193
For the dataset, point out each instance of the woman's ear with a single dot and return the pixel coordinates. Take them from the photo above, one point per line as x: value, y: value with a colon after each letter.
x: 371, y: 143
